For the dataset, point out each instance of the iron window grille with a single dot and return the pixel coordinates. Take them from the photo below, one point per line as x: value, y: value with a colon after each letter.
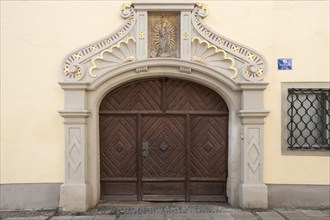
x: 309, y: 119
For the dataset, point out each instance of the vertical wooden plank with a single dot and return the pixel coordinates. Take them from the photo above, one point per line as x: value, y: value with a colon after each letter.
x: 139, y: 159
x: 163, y: 94
x: 188, y: 158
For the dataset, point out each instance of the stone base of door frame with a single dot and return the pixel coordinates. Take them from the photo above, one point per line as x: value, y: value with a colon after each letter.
x: 253, y: 196
x: 74, y: 197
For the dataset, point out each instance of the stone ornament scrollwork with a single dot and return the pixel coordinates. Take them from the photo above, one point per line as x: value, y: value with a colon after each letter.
x: 125, y: 10
x: 76, y: 64
x: 252, y: 72
x: 254, y: 64
x: 158, y: 35
x: 202, y: 9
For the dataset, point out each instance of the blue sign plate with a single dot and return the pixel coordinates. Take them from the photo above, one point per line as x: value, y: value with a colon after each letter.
x: 284, y: 64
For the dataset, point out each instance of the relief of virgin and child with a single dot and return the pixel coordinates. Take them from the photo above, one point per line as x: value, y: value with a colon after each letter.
x: 163, y: 35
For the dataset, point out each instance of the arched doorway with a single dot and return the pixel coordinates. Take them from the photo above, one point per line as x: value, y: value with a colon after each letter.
x: 229, y: 68
x: 163, y: 140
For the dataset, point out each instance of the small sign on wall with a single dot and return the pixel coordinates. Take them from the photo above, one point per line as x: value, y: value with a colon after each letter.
x: 284, y: 64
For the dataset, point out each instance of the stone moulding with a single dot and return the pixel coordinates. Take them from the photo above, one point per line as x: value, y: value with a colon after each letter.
x: 233, y: 70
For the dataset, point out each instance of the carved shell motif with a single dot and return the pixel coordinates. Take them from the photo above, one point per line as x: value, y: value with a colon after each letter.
x: 207, y: 54
x: 118, y: 54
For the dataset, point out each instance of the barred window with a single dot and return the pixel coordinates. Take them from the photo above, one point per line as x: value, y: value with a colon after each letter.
x: 309, y: 119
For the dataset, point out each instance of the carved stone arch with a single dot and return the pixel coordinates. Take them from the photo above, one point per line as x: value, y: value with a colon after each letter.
x: 232, y: 70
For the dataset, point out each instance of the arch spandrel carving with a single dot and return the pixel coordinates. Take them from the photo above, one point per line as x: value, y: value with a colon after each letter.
x: 199, y: 44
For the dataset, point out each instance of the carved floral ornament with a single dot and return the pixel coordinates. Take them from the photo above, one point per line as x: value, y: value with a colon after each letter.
x: 206, y: 48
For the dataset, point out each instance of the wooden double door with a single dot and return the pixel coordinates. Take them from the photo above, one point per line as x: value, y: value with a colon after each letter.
x: 163, y: 140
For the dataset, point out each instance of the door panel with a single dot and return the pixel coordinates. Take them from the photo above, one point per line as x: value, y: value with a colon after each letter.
x: 188, y: 96
x: 163, y: 167
x: 142, y: 96
x: 208, y: 157
x: 118, y: 156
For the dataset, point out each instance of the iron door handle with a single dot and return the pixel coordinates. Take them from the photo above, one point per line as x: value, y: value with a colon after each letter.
x: 145, y: 148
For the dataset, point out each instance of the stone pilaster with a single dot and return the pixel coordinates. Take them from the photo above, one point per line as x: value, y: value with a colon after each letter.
x: 142, y: 35
x: 74, y: 190
x: 253, y: 193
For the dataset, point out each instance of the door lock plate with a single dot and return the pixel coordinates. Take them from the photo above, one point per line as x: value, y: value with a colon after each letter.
x: 145, y: 148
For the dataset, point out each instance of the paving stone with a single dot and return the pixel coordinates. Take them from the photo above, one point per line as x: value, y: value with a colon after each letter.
x: 62, y: 218
x: 83, y: 218
x: 200, y: 216
x: 29, y: 218
x: 243, y: 216
x: 177, y: 217
x: 295, y: 215
x: 142, y: 217
x: 129, y: 217
x: 314, y: 213
x: 221, y: 216
x: 270, y: 216
x: 326, y: 211
x: 105, y: 217
x: 152, y: 217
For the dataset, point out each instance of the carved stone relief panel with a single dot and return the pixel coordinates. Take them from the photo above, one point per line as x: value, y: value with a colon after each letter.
x: 164, y: 34
x: 74, y: 154
x: 253, y: 154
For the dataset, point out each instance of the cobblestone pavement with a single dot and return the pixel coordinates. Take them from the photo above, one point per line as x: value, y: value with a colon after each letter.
x: 169, y: 211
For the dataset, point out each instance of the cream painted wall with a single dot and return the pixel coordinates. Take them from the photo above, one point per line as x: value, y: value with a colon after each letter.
x: 282, y: 29
x: 36, y: 35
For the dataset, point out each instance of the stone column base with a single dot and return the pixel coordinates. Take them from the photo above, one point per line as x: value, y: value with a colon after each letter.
x: 253, y: 196
x: 74, y: 197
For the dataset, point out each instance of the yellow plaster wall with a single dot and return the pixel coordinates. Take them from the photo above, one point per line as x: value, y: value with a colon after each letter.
x: 35, y: 37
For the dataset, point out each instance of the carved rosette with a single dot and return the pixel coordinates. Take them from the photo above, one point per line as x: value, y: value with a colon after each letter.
x: 76, y: 64
x: 121, y: 53
x: 254, y: 65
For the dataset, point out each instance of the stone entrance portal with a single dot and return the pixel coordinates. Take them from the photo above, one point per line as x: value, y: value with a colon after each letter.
x: 198, y: 56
